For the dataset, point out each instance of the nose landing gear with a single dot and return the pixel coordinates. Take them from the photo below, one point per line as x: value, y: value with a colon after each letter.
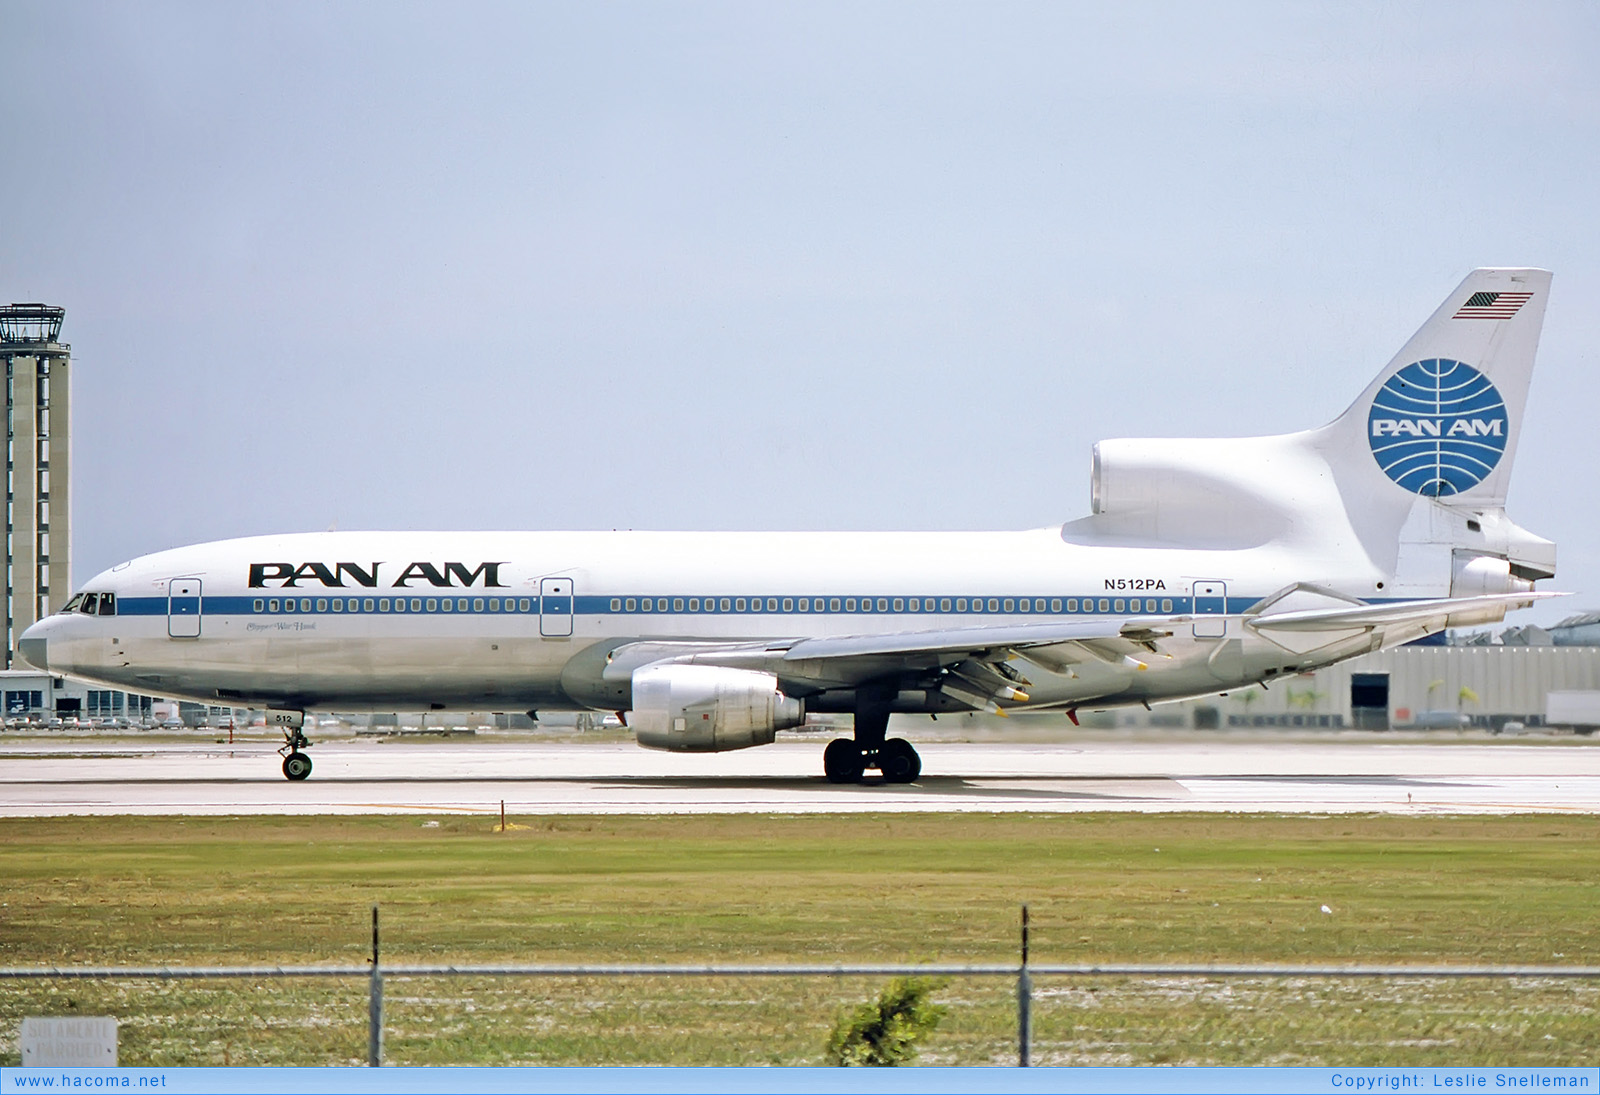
x: 296, y: 765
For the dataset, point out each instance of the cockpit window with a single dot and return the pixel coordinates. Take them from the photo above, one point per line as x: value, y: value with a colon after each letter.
x: 72, y: 605
x: 108, y: 604
x: 91, y: 601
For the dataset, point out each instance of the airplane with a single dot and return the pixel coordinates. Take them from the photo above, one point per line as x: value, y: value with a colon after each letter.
x: 1205, y: 565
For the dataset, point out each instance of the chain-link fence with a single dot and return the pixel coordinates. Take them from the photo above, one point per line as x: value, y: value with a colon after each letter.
x: 782, y: 1015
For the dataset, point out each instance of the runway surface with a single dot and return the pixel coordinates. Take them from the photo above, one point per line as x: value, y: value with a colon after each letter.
x: 41, y: 778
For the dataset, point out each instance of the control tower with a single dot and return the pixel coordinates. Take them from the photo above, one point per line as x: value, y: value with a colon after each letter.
x: 38, y: 453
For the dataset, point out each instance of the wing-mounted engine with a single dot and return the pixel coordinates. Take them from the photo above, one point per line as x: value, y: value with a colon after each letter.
x: 708, y: 708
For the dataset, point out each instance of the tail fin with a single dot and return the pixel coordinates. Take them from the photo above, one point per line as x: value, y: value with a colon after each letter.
x: 1443, y: 418
x: 1410, y: 481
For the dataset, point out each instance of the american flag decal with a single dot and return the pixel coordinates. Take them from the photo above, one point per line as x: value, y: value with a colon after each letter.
x: 1492, y: 305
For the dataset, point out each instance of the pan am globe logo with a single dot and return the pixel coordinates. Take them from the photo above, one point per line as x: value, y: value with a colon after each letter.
x: 1437, y: 427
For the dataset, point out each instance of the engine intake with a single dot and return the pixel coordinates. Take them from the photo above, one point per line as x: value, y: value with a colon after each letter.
x: 1208, y: 492
x: 709, y: 709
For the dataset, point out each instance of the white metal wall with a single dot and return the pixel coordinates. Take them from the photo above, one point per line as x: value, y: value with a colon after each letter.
x: 1503, y: 682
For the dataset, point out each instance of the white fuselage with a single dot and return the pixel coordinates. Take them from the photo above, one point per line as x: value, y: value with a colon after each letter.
x: 514, y: 621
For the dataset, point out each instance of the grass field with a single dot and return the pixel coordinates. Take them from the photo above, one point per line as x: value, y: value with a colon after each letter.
x: 810, y: 889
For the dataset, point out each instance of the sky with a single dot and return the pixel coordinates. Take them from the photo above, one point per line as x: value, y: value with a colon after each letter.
x: 769, y: 266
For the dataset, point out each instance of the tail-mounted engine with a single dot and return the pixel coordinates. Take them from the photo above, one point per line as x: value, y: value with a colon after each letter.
x: 1473, y: 575
x: 708, y: 708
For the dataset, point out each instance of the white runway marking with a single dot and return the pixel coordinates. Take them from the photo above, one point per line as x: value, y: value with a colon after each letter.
x: 1364, y: 774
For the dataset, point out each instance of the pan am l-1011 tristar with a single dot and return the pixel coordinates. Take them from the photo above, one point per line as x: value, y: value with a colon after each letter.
x: 1206, y: 564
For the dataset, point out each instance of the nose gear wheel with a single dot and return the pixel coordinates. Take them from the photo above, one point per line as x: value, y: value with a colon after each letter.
x: 296, y: 765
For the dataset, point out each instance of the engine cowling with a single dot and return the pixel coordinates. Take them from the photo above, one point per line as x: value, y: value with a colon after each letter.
x: 1210, y: 492
x: 1473, y: 574
x: 708, y: 708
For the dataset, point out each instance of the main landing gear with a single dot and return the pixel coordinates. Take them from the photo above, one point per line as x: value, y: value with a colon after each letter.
x: 846, y: 761
x: 296, y: 765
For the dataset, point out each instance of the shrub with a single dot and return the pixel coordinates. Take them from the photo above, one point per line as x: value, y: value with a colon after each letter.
x: 885, y: 1032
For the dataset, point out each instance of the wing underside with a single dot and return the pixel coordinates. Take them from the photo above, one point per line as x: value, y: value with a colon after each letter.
x: 989, y: 668
x: 980, y: 668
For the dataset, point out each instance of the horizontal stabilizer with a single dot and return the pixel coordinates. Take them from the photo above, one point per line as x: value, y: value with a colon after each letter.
x: 1458, y: 611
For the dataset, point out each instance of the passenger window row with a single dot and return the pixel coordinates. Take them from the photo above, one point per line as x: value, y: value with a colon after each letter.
x: 812, y: 605
x: 105, y: 604
x: 395, y: 604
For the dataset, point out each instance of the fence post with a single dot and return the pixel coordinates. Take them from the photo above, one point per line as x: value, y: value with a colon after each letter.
x: 1024, y: 1000
x: 375, y: 1003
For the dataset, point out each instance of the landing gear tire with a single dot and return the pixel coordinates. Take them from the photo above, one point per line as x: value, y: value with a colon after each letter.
x: 899, y: 762
x: 296, y: 765
x: 843, y: 761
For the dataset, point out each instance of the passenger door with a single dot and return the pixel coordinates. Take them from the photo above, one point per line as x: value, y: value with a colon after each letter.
x: 1210, y: 610
x: 183, y: 608
x: 555, y: 607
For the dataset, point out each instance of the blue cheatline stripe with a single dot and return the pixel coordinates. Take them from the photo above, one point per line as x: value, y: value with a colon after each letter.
x: 483, y: 603
x: 904, y: 605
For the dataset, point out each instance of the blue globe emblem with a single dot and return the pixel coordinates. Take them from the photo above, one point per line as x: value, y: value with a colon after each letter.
x: 1438, y: 427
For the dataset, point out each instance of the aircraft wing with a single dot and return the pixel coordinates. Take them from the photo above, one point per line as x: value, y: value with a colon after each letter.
x: 983, y: 665
x: 972, y: 664
x: 1145, y: 630
x: 972, y: 640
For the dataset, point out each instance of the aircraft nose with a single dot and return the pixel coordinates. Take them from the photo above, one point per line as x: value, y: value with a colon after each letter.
x: 32, y: 647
